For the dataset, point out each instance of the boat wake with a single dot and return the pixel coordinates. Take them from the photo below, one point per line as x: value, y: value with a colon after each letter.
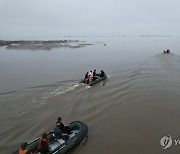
x: 36, y: 97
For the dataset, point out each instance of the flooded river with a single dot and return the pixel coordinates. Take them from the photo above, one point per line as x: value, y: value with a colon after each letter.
x: 128, y: 113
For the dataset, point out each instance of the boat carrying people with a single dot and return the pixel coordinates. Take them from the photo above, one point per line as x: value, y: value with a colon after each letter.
x: 167, y: 51
x: 93, y: 78
x: 55, y: 145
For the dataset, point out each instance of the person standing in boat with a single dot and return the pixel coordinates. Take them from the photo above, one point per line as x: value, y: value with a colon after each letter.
x: 59, y: 134
x: 64, y: 128
x: 23, y: 149
x: 43, y: 145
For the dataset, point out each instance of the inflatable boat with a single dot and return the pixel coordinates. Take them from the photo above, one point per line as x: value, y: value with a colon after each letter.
x: 78, y: 130
x: 98, y: 79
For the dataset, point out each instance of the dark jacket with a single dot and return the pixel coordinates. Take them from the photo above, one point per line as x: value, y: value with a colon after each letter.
x: 57, y: 133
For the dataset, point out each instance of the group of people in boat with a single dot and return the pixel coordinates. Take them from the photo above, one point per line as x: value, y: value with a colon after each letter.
x: 61, y: 131
x: 167, y: 51
x: 91, y: 76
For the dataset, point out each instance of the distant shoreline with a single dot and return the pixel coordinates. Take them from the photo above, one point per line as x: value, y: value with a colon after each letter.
x: 42, y: 44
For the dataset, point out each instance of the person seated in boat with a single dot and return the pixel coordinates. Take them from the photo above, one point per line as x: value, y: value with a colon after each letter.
x: 64, y: 128
x: 90, y: 73
x: 59, y: 134
x: 168, y: 50
x: 90, y: 78
x: 86, y: 77
x: 102, y: 74
x: 95, y: 75
x: 23, y: 149
x: 43, y: 145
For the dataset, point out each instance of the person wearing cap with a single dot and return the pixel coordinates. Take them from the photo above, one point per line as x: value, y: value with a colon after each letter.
x: 64, y: 128
x: 59, y: 134
x: 23, y: 149
x: 43, y: 145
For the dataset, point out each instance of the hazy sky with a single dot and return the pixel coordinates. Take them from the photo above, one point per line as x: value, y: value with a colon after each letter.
x: 88, y: 17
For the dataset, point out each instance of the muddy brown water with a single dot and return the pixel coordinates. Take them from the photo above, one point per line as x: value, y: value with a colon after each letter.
x: 127, y: 113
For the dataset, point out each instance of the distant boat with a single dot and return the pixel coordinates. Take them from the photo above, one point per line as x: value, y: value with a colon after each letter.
x: 59, y: 146
x: 167, y: 51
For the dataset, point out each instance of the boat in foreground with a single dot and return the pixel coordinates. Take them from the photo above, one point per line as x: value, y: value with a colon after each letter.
x: 95, y: 81
x: 59, y: 146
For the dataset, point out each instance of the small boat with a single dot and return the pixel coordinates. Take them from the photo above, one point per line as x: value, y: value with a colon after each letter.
x: 167, y: 51
x: 95, y: 81
x: 78, y: 130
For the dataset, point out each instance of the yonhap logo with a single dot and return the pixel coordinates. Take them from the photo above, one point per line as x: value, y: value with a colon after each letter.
x: 166, y: 142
